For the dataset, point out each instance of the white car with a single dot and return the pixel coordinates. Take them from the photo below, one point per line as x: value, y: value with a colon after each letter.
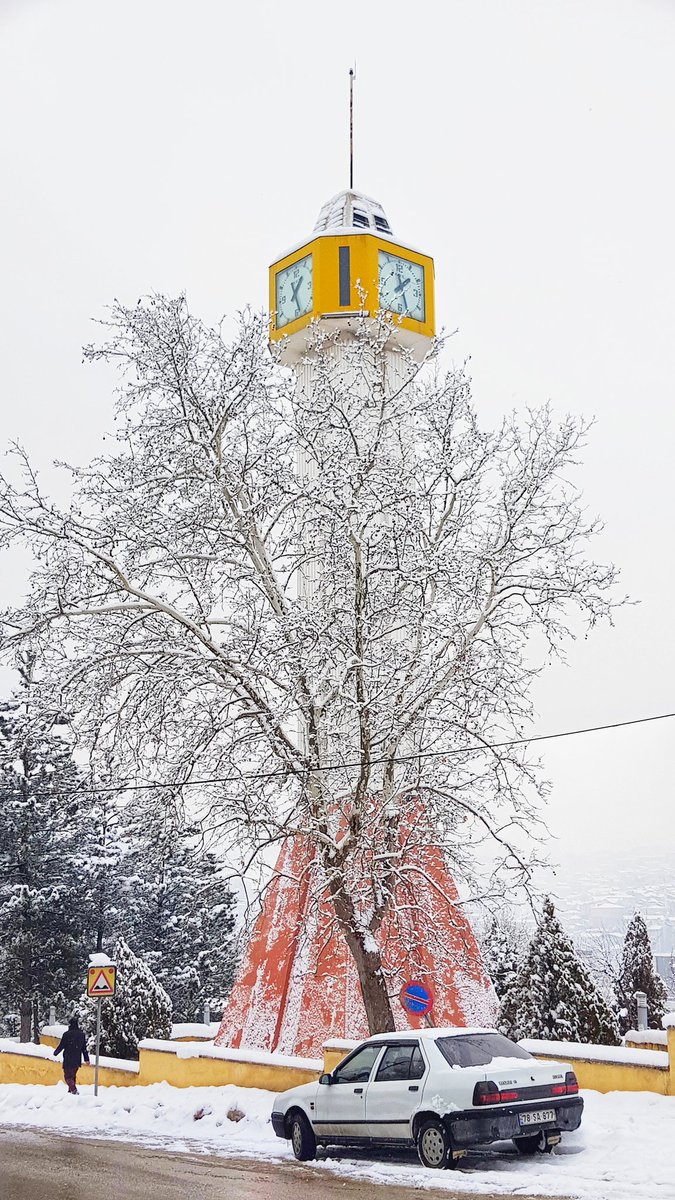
x: 440, y: 1090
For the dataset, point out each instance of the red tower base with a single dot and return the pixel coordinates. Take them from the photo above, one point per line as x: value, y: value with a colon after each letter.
x: 298, y: 986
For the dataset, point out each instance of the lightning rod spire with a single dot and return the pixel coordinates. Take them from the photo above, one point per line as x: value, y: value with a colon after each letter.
x: 352, y: 77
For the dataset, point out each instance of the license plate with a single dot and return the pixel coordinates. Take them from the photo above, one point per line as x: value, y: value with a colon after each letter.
x: 537, y: 1118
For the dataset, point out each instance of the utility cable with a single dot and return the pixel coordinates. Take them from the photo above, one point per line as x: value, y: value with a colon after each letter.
x: 261, y: 776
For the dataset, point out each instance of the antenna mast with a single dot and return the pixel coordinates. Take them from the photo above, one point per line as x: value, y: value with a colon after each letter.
x: 352, y: 76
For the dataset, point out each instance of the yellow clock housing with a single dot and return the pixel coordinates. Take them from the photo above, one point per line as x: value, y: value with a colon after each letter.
x: 355, y: 266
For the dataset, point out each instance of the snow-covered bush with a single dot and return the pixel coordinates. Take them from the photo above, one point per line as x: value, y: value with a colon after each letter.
x: 139, y: 1009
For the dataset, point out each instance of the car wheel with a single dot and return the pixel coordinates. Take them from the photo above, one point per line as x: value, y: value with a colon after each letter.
x: 434, y: 1146
x: 302, y: 1137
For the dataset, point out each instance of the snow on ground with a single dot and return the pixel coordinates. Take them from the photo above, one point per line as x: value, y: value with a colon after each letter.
x: 623, y: 1151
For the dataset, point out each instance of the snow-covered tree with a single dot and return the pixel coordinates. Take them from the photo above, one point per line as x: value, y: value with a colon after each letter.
x: 600, y: 951
x: 294, y: 592
x: 104, y: 832
x: 554, y: 997
x: 179, y: 913
x: 139, y: 1009
x: 638, y: 974
x: 43, y: 894
x: 503, y: 946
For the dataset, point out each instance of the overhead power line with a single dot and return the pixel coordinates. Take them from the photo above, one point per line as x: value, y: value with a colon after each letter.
x: 261, y: 776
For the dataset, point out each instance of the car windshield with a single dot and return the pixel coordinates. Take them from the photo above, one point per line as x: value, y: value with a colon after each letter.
x: 478, y: 1049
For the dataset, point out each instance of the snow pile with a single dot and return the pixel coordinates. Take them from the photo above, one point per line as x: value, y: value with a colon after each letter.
x: 623, y: 1150
x: 340, y: 1044
x: 657, y: 1037
x: 157, y: 1112
x: 566, y: 1051
x: 56, y: 1031
x: 11, y: 1046
x: 194, y: 1029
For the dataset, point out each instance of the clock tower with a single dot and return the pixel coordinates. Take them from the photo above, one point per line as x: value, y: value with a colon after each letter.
x: 352, y: 267
x: 299, y: 982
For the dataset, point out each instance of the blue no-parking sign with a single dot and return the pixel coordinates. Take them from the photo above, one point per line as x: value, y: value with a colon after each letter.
x: 417, y: 998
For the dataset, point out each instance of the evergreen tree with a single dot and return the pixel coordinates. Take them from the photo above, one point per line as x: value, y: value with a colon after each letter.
x: 42, y: 890
x: 105, y: 834
x: 139, y: 1009
x: 554, y: 997
x: 180, y: 916
x: 502, y: 948
x: 637, y: 974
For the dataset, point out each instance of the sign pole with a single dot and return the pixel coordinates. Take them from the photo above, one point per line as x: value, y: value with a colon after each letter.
x: 101, y: 982
x: 98, y: 1043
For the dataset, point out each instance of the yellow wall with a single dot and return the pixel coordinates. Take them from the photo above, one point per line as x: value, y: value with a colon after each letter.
x: 27, y: 1068
x: 331, y: 1057
x: 163, y: 1065
x: 158, y: 1066
x: 619, y: 1077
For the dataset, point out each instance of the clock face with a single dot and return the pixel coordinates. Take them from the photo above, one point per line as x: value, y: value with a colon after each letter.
x: 294, y: 291
x: 401, y: 286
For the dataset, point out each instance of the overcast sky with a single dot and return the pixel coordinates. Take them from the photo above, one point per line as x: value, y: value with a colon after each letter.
x: 527, y: 146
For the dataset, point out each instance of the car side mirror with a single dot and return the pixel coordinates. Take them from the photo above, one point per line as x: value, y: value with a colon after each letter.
x: 326, y: 1077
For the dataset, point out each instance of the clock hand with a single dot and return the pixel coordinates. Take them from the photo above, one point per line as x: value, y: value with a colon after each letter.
x: 295, y: 288
x: 403, y: 283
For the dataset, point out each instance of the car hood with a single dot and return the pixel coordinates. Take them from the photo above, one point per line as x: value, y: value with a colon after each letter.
x: 304, y: 1091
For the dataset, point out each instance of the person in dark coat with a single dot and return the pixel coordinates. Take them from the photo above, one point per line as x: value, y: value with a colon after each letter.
x: 74, y: 1046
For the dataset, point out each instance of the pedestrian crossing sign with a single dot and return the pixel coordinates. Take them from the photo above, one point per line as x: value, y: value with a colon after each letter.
x: 101, y: 981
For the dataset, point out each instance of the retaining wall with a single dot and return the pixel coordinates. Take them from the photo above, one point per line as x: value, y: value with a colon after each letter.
x: 627, y: 1068
x: 615, y: 1068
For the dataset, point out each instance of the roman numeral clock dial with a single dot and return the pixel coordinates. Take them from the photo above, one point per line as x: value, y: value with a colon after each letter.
x: 294, y: 291
x: 401, y: 285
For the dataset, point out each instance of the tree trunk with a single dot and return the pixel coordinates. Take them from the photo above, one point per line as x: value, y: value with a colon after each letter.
x: 366, y: 955
x: 36, y: 1022
x: 373, y: 985
x: 26, y: 1011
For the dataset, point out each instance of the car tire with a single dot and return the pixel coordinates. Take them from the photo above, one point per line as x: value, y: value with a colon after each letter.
x: 434, y: 1146
x: 302, y: 1137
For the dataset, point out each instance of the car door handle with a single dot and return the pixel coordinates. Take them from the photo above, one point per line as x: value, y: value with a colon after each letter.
x: 358, y: 1091
x: 413, y: 1087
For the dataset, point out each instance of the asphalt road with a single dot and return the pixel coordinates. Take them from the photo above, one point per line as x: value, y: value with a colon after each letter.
x: 53, y: 1166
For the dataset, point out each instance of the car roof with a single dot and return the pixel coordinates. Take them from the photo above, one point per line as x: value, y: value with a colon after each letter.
x: 429, y: 1031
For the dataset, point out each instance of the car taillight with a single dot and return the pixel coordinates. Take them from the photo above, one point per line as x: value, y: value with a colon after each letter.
x: 489, y: 1093
x: 571, y: 1084
x: 486, y: 1093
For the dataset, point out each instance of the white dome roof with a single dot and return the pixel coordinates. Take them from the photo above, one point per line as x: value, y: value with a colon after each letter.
x: 353, y: 211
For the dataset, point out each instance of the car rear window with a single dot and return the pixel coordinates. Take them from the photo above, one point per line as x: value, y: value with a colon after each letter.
x: 478, y: 1049
x: 401, y: 1062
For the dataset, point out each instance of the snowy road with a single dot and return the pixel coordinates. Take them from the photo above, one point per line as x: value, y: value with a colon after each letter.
x: 623, y: 1151
x: 52, y: 1166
